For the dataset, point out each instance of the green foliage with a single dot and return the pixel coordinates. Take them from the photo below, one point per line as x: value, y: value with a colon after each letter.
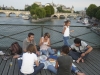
x: 91, y: 10
x: 59, y: 9
x: 49, y: 11
x: 35, y: 17
x: 40, y: 12
x: 62, y: 11
x: 33, y: 8
x: 0, y: 8
x: 32, y: 11
x: 28, y: 8
x: 98, y: 14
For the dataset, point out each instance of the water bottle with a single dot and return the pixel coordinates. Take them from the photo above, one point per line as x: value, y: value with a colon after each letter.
x: 58, y: 53
x: 10, y: 63
x: 47, y: 54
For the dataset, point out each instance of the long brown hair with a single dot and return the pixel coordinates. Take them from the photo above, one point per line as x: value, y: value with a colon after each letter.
x: 47, y: 34
x: 31, y: 48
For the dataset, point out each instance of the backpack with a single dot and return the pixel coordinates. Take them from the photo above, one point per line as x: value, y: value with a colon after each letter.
x: 15, y: 48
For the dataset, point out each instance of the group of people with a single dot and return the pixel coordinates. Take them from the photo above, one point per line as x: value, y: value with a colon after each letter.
x: 29, y: 65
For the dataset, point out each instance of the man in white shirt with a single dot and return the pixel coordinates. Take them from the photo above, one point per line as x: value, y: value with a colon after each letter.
x: 79, y: 50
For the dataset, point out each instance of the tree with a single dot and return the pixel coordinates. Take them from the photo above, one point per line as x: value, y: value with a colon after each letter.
x: 49, y: 11
x: 32, y: 11
x: 28, y: 8
x: 0, y: 8
x: 52, y: 10
x: 98, y: 14
x: 33, y: 8
x: 40, y: 12
x: 59, y: 9
x: 95, y: 11
x: 91, y: 10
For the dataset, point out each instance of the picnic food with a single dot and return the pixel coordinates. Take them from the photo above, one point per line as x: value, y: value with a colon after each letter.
x: 52, y: 60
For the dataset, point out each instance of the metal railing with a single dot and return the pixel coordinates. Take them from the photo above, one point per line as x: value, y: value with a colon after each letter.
x: 10, y: 33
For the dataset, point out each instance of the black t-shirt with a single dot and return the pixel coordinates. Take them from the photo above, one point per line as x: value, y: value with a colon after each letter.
x: 65, y: 63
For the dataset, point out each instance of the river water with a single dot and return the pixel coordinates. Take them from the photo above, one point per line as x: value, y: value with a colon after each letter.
x: 9, y: 34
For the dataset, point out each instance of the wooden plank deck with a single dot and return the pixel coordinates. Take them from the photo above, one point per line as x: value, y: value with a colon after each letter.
x: 90, y: 67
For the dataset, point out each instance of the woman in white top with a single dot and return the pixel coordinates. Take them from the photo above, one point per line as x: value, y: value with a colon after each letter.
x: 66, y: 33
x: 29, y: 58
x: 45, y: 44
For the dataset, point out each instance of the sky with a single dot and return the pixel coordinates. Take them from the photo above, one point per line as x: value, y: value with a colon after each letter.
x: 78, y: 4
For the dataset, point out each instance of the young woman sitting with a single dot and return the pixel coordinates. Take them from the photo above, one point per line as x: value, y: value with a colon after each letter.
x: 29, y: 64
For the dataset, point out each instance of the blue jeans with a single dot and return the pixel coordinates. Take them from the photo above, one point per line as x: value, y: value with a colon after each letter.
x: 54, y: 70
x: 66, y: 41
x: 76, y: 55
x: 49, y: 50
x: 37, y: 69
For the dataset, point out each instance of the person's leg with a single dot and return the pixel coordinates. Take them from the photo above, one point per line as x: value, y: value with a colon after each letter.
x: 66, y: 41
x: 77, y: 72
x: 74, y: 55
x: 20, y: 63
x: 52, y: 69
x: 73, y: 69
x: 44, y: 52
x: 37, y: 69
x: 51, y: 52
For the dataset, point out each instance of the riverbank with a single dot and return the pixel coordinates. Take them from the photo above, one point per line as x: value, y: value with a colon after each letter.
x: 41, y: 20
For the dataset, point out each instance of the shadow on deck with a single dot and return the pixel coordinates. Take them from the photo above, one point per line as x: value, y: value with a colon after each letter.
x: 90, y: 67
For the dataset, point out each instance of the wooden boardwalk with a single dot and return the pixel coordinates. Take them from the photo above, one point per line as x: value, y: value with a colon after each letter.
x: 90, y: 67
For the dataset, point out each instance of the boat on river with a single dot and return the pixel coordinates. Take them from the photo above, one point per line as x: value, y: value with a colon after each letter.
x: 25, y: 17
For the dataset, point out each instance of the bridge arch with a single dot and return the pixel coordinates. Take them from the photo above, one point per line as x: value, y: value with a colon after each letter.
x: 17, y: 13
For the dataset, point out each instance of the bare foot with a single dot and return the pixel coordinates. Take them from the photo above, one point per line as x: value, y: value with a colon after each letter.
x: 82, y: 60
x: 79, y: 73
x: 78, y: 61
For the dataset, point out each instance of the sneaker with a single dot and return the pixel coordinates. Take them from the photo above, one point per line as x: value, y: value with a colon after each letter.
x: 1, y: 53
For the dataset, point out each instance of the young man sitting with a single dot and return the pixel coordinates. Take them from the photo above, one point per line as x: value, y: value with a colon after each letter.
x: 79, y: 50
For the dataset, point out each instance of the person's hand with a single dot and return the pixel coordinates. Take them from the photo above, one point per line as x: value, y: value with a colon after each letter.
x: 37, y: 52
x: 72, y: 30
x: 16, y: 56
x: 41, y: 43
x: 83, y: 54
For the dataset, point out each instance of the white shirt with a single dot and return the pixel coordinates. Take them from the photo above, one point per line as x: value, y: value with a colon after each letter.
x: 28, y: 63
x: 44, y: 45
x: 67, y: 32
x: 81, y: 48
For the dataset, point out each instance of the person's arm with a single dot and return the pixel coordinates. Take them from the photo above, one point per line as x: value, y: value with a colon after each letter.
x: 24, y: 46
x: 36, y: 63
x: 72, y: 47
x: 56, y: 66
x: 48, y: 42
x: 72, y: 31
x: 40, y: 43
x: 63, y: 30
x: 88, y: 51
x: 36, y: 60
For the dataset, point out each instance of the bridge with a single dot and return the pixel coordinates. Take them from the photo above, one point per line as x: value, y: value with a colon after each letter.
x: 17, y: 13
x: 66, y: 15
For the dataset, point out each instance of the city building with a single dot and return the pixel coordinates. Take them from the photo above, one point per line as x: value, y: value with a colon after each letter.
x: 38, y: 3
x: 26, y: 5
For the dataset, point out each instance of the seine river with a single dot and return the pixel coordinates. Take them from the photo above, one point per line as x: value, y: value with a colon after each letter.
x: 9, y: 34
